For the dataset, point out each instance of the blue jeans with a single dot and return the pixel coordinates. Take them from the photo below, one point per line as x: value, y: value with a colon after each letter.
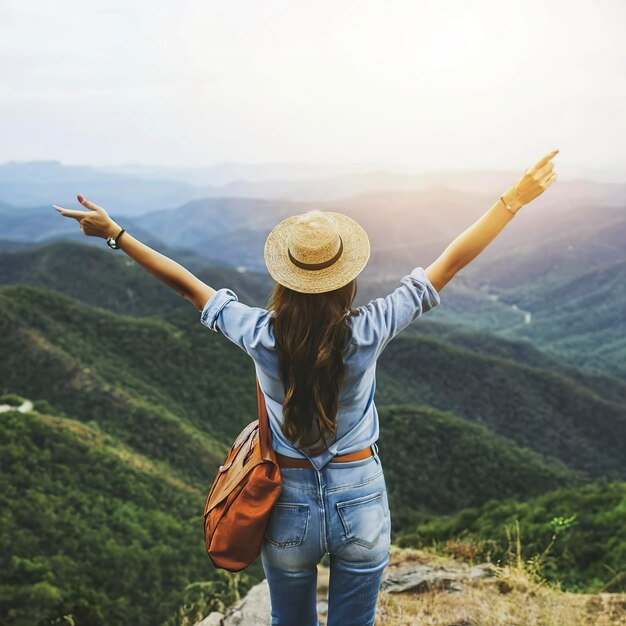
x: 341, y: 510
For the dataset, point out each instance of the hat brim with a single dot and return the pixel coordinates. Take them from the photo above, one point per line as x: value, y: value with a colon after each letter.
x: 356, y: 253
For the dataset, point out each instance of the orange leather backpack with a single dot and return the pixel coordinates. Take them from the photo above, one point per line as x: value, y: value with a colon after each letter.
x: 240, y: 501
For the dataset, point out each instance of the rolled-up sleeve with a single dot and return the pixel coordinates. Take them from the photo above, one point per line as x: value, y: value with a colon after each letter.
x: 244, y: 325
x: 389, y: 315
x: 214, y: 307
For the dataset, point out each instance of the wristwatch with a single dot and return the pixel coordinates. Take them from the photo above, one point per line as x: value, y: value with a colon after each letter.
x: 112, y: 241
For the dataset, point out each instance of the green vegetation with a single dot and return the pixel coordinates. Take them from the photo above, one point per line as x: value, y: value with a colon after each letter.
x: 136, y: 403
x: 114, y: 281
x: 587, y: 553
x: 12, y: 399
x: 534, y: 407
x: 583, y: 319
x: 167, y: 387
x: 141, y: 380
x: 439, y: 463
x: 93, y: 530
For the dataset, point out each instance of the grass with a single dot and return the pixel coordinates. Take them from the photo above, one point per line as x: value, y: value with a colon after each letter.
x: 517, y: 594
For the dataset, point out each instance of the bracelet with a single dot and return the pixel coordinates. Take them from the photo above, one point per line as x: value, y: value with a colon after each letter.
x: 508, y: 208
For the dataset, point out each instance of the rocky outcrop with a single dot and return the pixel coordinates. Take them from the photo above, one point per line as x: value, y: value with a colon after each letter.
x: 252, y: 610
x: 212, y: 619
x: 255, y: 608
x: 444, y: 591
x: 421, y: 578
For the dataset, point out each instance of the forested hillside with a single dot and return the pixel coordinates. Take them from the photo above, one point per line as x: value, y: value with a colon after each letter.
x: 92, y: 529
x: 438, y: 462
x: 126, y: 372
x: 136, y: 403
x: 114, y: 281
x: 533, y: 406
x: 582, y: 328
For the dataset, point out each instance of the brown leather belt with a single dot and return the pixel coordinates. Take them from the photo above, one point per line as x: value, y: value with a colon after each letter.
x: 289, y: 461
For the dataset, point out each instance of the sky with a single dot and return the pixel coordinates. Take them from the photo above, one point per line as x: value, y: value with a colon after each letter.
x: 421, y: 84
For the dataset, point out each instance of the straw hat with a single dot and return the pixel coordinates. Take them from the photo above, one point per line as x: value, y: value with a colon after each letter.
x: 316, y: 251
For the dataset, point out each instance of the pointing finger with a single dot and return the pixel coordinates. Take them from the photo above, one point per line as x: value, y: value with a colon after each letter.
x: 546, y: 159
x: 69, y: 212
x: 546, y: 169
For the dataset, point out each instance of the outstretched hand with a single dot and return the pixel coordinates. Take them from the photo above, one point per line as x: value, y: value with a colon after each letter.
x: 95, y: 222
x: 535, y: 181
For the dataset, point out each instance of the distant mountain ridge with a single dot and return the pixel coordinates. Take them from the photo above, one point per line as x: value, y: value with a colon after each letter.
x: 585, y: 328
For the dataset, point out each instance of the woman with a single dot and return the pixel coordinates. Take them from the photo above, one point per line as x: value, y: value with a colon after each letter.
x: 315, y: 358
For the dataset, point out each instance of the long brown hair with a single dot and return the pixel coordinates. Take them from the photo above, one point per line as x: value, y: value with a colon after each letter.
x: 311, y: 336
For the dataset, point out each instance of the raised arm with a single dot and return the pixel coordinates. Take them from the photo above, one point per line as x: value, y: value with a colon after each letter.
x: 97, y: 223
x: 471, y: 242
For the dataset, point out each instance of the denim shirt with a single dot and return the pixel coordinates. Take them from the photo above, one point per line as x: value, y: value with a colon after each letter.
x: 380, y: 320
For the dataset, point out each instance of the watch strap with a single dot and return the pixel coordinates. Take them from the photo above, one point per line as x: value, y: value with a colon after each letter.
x: 119, y: 235
x: 112, y: 241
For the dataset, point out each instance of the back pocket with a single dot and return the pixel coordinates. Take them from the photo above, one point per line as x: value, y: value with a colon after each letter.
x: 363, y: 518
x: 287, y: 524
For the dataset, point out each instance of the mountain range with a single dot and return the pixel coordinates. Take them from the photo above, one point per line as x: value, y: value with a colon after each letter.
x: 507, y: 400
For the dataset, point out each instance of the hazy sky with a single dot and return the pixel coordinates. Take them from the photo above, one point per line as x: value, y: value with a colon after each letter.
x: 443, y: 84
